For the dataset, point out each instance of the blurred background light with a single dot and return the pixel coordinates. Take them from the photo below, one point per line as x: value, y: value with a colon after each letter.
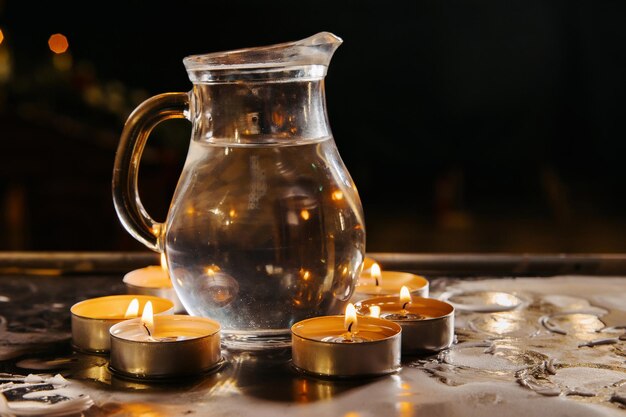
x: 58, y: 43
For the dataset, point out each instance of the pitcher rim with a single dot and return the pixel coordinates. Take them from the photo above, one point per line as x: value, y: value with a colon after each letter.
x: 314, y: 50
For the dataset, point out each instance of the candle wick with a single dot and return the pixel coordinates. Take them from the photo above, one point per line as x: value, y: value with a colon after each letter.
x: 405, y: 304
x: 376, y: 278
x: 350, y: 328
x: 147, y: 329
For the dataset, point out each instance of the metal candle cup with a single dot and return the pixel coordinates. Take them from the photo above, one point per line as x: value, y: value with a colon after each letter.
x: 432, y: 332
x: 153, y: 280
x: 180, y: 346
x: 390, y: 284
x: 378, y: 354
x: 92, y: 319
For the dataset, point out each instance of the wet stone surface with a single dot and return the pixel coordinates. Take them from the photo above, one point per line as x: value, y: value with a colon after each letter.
x: 519, y: 344
x: 554, y: 344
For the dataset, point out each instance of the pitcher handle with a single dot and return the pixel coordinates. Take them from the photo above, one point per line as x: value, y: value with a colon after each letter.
x: 140, y: 123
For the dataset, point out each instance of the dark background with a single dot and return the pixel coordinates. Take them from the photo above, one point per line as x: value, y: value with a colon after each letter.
x: 478, y: 126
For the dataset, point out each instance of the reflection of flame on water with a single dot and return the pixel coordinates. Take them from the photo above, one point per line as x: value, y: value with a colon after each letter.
x: 581, y: 323
x: 306, y: 391
x: 482, y: 301
x: 221, y: 287
x: 501, y: 325
x: 405, y: 409
x: 136, y: 410
x: 510, y: 323
x: 503, y: 299
x: 45, y: 364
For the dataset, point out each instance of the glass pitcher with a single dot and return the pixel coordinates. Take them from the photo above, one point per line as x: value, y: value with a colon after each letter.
x: 266, y: 227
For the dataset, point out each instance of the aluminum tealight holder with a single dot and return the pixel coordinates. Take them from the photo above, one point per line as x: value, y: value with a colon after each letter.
x: 92, y: 319
x: 318, y: 349
x: 152, y: 280
x: 389, y: 284
x: 427, y: 324
x: 181, y: 346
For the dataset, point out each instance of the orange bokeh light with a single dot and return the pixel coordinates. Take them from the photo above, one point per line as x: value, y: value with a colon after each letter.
x: 58, y: 43
x: 1, y: 36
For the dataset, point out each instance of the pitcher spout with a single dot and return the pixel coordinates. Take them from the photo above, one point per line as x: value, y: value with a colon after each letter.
x: 319, y: 47
x: 308, y: 57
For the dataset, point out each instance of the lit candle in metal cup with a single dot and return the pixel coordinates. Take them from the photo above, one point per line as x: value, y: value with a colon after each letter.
x: 153, y: 280
x: 378, y: 283
x: 427, y: 324
x: 346, y: 346
x: 92, y: 319
x: 163, y: 347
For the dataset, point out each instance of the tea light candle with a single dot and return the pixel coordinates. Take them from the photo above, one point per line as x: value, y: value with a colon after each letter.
x: 164, y: 347
x: 378, y: 283
x: 344, y: 346
x: 153, y: 280
x: 92, y: 319
x: 427, y: 324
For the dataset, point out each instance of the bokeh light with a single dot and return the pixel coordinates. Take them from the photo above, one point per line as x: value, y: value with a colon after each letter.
x: 58, y: 43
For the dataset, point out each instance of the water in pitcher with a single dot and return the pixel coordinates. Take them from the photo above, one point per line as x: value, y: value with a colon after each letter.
x: 266, y: 227
x: 262, y: 236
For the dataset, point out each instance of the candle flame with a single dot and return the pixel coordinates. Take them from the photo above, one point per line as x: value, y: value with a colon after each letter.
x: 147, y: 318
x: 405, y: 296
x: 350, y: 322
x: 133, y: 309
x: 375, y: 311
x: 163, y: 262
x: 376, y: 273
